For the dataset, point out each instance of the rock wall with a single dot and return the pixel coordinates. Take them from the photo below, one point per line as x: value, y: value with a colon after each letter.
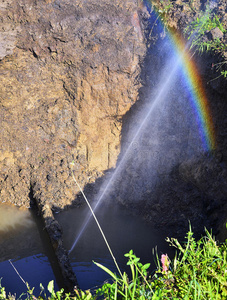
x: 70, y: 77
x: 169, y: 178
x: 69, y: 72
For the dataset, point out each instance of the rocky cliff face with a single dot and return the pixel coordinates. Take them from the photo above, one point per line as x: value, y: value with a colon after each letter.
x: 70, y: 78
x: 168, y: 177
x: 188, y: 184
x: 69, y: 72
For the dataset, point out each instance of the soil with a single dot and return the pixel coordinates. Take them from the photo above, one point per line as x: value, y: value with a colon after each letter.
x: 69, y: 72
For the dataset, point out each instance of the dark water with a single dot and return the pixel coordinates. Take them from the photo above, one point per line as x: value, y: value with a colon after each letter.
x: 20, y: 242
x: 23, y: 240
x: 34, y: 269
x: 123, y: 232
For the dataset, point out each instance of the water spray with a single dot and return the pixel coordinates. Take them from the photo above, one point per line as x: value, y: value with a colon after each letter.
x: 166, y: 81
x: 97, y: 222
x: 163, y: 91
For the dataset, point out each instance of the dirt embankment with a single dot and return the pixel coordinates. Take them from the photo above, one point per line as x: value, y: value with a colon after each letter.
x: 69, y: 72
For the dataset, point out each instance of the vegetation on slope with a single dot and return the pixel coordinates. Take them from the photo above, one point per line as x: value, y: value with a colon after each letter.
x: 205, y: 29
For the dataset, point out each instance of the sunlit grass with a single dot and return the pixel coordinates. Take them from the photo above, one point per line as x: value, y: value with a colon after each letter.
x: 198, y: 271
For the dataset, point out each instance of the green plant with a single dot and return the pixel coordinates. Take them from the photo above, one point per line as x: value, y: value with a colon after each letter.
x: 197, y: 30
x: 124, y: 288
x: 220, y: 67
x: 197, y: 35
x: 224, y: 74
x: 2, y: 291
x: 163, y: 9
x: 198, y: 271
x: 81, y: 295
x: 58, y: 295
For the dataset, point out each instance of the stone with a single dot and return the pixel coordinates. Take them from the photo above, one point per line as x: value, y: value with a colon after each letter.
x: 216, y: 33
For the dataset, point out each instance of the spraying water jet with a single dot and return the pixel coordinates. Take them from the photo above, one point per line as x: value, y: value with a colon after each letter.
x: 180, y: 65
x: 168, y: 78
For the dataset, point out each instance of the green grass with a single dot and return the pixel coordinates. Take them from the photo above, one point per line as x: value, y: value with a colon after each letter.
x: 197, y: 29
x: 198, y: 271
x: 196, y: 33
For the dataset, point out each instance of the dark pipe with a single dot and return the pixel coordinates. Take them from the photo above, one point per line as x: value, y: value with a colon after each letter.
x: 57, y: 255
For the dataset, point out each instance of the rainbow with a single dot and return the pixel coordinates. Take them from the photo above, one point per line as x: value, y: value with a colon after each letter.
x: 199, y: 98
x: 195, y: 86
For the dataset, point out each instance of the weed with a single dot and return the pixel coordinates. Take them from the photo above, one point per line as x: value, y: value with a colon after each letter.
x: 197, y: 33
x: 124, y: 288
x: 198, y: 271
x: 2, y: 291
x: 224, y: 73
x: 198, y: 29
x: 164, y: 10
